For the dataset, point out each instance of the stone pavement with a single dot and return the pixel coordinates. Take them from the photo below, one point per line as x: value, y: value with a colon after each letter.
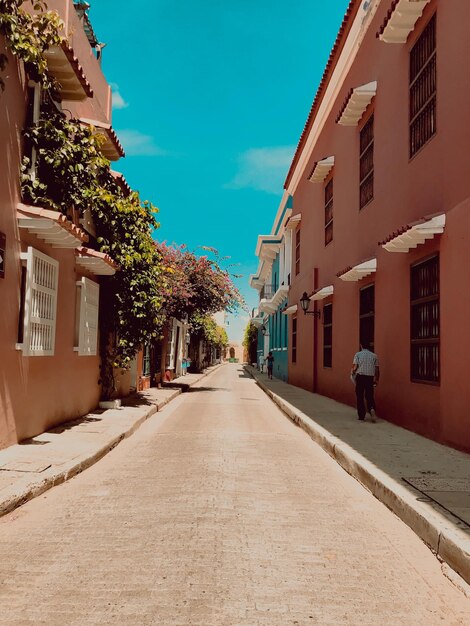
x: 218, y: 511
x: 426, y: 484
x: 35, y: 465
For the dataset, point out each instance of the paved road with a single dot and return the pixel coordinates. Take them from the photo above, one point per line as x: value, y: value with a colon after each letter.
x: 218, y: 512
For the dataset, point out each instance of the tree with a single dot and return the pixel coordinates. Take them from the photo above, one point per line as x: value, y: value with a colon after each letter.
x: 250, y: 342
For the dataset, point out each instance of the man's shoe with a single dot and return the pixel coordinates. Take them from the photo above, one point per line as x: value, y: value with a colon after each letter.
x: 361, y: 419
x: 373, y: 416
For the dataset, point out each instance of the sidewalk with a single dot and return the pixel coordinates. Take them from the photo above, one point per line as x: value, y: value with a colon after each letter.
x: 35, y: 465
x: 424, y: 483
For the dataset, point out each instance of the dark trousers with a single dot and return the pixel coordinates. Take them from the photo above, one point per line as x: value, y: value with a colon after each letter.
x: 364, y: 387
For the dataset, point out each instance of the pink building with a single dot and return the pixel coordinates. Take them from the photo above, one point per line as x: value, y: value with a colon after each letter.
x: 381, y: 194
x: 49, y: 278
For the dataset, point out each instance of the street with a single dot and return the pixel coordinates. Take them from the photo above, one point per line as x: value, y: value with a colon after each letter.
x: 218, y: 511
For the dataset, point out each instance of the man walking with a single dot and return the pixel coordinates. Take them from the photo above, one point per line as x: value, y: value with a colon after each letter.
x: 270, y: 363
x: 366, y: 371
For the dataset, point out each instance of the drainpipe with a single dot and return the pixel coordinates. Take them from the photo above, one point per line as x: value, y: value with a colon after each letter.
x: 315, y: 333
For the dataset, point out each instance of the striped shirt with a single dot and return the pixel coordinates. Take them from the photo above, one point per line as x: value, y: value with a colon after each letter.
x: 366, y: 361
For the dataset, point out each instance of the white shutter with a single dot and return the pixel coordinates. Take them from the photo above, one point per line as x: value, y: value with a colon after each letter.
x: 42, y: 274
x: 89, y: 294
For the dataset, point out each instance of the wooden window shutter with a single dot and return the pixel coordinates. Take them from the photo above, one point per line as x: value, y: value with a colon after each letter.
x: 88, y: 307
x: 40, y: 308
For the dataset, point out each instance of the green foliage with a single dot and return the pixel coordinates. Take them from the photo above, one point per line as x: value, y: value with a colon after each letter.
x: 28, y: 36
x: 205, y: 327
x: 250, y: 341
x: 71, y: 172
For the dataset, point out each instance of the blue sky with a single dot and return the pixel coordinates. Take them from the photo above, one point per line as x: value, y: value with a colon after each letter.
x: 210, y: 98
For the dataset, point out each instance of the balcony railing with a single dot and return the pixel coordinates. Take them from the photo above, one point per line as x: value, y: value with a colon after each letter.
x: 267, y: 292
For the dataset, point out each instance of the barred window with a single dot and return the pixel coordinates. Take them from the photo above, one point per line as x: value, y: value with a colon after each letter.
x: 329, y: 212
x: 366, y: 163
x: 294, y: 340
x: 297, y: 251
x: 367, y: 315
x: 423, y: 79
x: 146, y: 360
x: 424, y: 318
x: 327, y: 335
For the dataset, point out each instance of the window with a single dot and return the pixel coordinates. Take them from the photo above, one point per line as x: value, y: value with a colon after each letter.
x: 425, y: 321
x: 39, y: 304
x: 294, y: 340
x: 146, y: 361
x: 297, y: 251
x: 423, y: 79
x: 367, y: 315
x: 86, y: 325
x: 329, y: 212
x: 327, y: 335
x: 366, y: 163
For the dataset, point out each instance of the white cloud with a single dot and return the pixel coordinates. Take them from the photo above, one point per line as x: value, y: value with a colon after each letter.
x: 118, y: 100
x: 137, y: 144
x: 263, y: 169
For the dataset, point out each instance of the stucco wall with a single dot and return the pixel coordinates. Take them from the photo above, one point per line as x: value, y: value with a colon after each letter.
x: 434, y: 181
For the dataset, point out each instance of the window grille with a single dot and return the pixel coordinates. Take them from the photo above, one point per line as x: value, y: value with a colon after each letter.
x: 86, y: 337
x: 146, y: 361
x: 423, y: 85
x: 366, y: 163
x: 425, y: 321
x: 40, y: 304
x: 297, y: 252
x: 367, y: 315
x: 170, y: 355
x: 294, y: 340
x: 329, y: 212
x: 327, y: 335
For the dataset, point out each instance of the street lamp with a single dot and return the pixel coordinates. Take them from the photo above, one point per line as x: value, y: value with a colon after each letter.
x: 305, y: 303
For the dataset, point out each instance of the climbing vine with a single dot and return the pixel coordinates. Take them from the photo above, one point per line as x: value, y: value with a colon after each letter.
x: 28, y: 36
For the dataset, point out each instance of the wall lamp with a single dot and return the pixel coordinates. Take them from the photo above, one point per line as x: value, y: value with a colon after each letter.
x: 264, y: 330
x: 305, y: 303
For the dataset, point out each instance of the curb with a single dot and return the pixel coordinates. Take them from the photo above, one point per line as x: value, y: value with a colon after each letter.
x: 449, y: 543
x: 52, y: 477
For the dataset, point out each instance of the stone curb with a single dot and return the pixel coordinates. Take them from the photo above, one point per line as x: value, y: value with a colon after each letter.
x: 449, y: 543
x: 27, y: 489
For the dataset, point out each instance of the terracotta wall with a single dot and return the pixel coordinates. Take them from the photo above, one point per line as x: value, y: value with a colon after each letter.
x: 435, y: 180
x: 39, y: 392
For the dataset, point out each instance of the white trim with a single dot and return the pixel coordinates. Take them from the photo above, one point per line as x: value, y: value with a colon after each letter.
x: 416, y: 235
x: 294, y: 221
x: 402, y: 21
x: 322, y: 169
x: 357, y: 103
x: 323, y: 293
x: 290, y: 310
x: 347, y: 57
x: 360, y: 271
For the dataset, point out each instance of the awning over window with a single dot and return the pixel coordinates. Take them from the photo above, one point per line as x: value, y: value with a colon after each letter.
x: 112, y: 148
x: 321, y: 169
x: 400, y: 20
x: 257, y: 321
x: 95, y: 262
x: 290, y: 310
x: 321, y: 294
x: 356, y: 103
x: 121, y: 181
x: 412, y: 235
x: 294, y: 221
x: 50, y: 226
x: 66, y: 69
x: 353, y: 274
x: 268, y: 246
